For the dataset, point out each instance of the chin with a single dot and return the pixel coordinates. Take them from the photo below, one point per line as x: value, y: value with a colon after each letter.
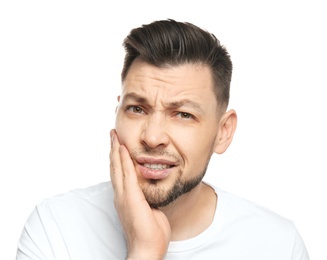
x: 158, y: 196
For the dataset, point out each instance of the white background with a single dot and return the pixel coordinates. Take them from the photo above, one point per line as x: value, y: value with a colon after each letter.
x: 60, y: 65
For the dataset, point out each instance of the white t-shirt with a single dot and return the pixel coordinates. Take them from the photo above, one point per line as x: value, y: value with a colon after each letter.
x: 83, y: 225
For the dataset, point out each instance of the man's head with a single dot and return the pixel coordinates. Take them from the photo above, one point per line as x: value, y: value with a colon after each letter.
x: 171, y: 43
x: 172, y: 110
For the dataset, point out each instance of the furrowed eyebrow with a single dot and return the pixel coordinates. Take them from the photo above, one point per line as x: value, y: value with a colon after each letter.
x: 172, y: 105
x: 135, y: 97
x: 185, y: 103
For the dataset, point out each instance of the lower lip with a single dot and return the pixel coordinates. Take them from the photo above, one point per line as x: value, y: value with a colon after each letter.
x: 153, y: 174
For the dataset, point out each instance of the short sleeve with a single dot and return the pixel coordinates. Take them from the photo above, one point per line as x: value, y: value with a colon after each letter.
x: 299, y: 250
x: 34, y: 241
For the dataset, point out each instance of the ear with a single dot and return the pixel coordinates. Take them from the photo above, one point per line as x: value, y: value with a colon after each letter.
x: 226, y: 130
x: 118, y: 99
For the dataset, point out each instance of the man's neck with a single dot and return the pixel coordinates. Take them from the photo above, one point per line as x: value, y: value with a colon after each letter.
x: 192, y: 213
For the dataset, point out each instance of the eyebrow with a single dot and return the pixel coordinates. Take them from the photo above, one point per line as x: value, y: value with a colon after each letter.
x: 135, y: 97
x: 171, y: 105
x: 185, y: 103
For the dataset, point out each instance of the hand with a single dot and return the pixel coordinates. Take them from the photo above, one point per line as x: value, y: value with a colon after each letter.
x: 147, y: 230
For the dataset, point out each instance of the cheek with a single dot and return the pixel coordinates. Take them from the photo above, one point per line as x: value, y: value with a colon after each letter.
x: 194, y: 145
x: 126, y: 130
x: 199, y: 153
x: 121, y: 129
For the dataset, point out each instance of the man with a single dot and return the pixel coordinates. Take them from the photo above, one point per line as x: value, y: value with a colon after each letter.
x: 171, y: 117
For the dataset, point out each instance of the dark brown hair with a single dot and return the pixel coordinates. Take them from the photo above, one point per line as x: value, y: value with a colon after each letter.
x: 168, y: 42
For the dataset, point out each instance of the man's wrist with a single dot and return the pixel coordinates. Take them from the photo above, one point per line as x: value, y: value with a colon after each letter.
x: 145, y: 257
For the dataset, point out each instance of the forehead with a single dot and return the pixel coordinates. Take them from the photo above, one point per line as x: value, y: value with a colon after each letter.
x: 188, y: 79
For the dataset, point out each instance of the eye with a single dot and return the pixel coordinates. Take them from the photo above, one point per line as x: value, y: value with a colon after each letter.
x: 185, y: 115
x: 135, y: 109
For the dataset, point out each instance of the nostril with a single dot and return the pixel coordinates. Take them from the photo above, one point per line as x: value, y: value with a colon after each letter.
x: 154, y: 134
x: 151, y: 144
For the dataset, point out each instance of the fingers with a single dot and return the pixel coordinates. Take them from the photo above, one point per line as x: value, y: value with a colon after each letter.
x: 128, y: 169
x: 115, y: 163
x: 122, y: 171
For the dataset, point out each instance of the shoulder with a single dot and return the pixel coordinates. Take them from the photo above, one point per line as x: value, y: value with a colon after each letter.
x: 73, y: 224
x: 256, y: 228
x: 94, y: 192
x: 78, y: 211
x: 94, y: 198
x: 238, y: 207
x: 252, y: 220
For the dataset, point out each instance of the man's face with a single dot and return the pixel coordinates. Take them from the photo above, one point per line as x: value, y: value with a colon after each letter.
x: 168, y: 120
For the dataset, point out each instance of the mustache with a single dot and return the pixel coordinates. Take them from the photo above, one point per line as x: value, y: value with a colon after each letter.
x: 154, y: 153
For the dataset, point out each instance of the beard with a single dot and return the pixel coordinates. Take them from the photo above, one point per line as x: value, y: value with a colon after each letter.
x: 158, y: 196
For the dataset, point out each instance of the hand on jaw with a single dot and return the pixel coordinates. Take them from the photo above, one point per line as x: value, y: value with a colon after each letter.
x: 147, y: 231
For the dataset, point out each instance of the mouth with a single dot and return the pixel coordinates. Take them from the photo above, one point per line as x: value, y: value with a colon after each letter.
x: 155, y: 169
x: 157, y: 166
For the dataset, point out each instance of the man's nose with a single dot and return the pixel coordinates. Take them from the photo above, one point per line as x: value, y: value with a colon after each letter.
x: 154, y: 133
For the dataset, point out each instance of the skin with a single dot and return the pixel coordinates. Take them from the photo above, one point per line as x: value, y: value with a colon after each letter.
x: 168, y: 117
